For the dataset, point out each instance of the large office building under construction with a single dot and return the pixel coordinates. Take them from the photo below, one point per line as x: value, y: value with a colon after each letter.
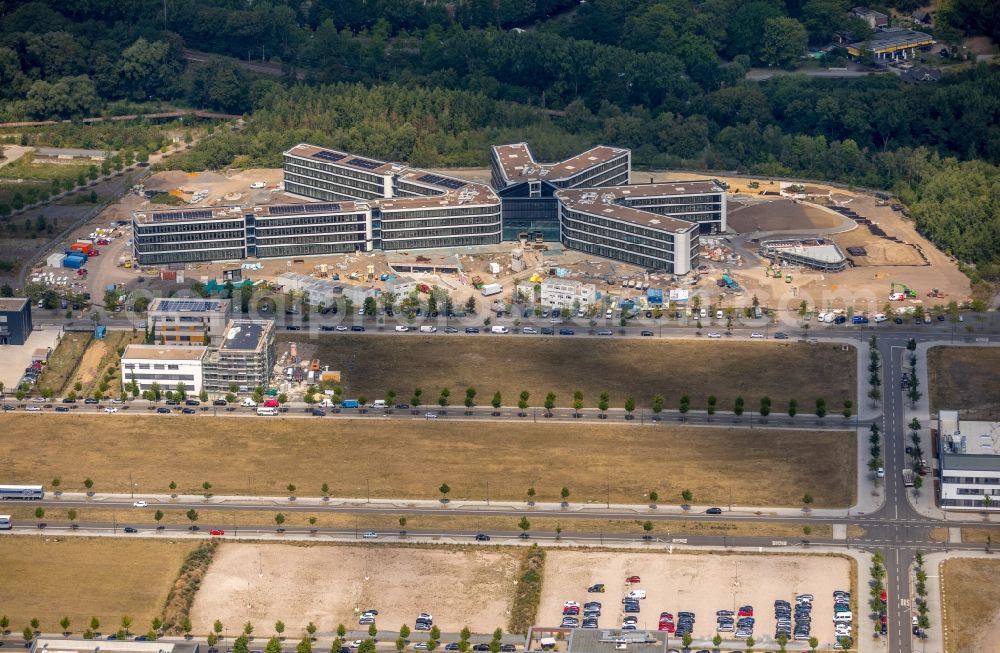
x: 359, y: 204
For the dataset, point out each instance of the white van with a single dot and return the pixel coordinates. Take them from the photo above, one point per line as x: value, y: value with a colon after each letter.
x: 703, y: 313
x: 880, y: 317
x: 499, y: 329
x: 609, y: 314
x: 267, y: 410
x: 378, y: 403
x: 719, y: 315
x: 428, y: 329
x: 248, y: 402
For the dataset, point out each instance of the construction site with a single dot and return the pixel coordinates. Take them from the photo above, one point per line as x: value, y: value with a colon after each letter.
x: 786, y: 243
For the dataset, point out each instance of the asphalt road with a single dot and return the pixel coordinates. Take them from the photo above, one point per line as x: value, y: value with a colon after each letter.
x: 895, y: 529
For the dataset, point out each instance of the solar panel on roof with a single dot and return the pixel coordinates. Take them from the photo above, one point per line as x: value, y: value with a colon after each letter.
x: 323, y: 208
x: 329, y: 156
x: 164, y: 216
x: 365, y: 163
x: 187, y: 305
x: 286, y: 209
x: 438, y: 180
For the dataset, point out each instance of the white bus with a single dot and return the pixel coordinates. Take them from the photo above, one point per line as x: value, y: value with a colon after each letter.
x: 21, y: 492
x: 5, y: 523
x: 267, y: 410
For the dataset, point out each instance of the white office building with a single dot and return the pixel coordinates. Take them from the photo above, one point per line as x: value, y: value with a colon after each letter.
x: 560, y: 293
x: 166, y: 365
x: 970, y: 462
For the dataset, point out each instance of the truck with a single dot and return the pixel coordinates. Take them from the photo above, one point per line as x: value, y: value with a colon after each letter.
x: 350, y: 403
x: 499, y: 329
x: 491, y: 289
x: 908, y: 477
x: 267, y: 411
x: 428, y: 329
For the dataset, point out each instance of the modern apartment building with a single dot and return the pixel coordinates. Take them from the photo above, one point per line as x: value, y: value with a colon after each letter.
x: 244, y: 357
x: 527, y: 188
x: 166, y: 365
x: 188, y: 321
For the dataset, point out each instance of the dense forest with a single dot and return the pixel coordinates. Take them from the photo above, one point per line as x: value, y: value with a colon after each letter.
x: 436, y: 83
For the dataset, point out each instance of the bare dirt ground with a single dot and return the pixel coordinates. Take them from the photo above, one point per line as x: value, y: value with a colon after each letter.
x: 89, y: 367
x: 695, y: 583
x: 965, y: 378
x: 330, y: 585
x: 80, y: 578
x: 784, y: 215
x: 971, y: 594
x: 879, y: 251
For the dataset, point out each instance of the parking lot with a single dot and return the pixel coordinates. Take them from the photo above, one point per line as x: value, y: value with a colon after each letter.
x: 698, y: 583
x: 330, y: 585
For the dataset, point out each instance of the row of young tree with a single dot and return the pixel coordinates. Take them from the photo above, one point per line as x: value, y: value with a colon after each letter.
x: 524, y: 403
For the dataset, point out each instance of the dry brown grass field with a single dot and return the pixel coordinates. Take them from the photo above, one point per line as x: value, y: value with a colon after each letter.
x: 389, y: 458
x: 50, y: 578
x: 965, y: 378
x: 638, y: 368
x: 971, y: 595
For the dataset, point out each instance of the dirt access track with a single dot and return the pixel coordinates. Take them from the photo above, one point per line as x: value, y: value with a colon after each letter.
x: 699, y: 583
x: 410, y: 459
x: 638, y: 368
x: 330, y: 585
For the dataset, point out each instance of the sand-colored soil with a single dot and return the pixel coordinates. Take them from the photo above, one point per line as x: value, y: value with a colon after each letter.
x: 329, y: 585
x: 782, y: 215
x: 696, y: 583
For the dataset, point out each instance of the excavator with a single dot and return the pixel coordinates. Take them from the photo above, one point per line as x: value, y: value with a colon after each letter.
x: 937, y: 294
x: 903, y: 294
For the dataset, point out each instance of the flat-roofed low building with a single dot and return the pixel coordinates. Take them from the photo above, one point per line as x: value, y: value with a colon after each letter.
x: 188, y: 321
x: 245, y: 357
x: 597, y: 640
x: 892, y: 44
x: 166, y: 365
x: 15, y: 320
x: 560, y: 293
x: 72, y: 645
x: 815, y: 253
x: 970, y: 463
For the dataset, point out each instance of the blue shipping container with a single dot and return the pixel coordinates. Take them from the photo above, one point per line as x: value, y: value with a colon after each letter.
x: 350, y: 403
x: 654, y: 296
x: 72, y: 262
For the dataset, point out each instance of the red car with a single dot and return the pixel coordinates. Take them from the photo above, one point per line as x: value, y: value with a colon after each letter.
x: 633, y: 579
x: 667, y: 626
x: 571, y: 609
x: 882, y: 618
x: 883, y: 595
x: 745, y: 611
x: 667, y: 616
x: 217, y: 531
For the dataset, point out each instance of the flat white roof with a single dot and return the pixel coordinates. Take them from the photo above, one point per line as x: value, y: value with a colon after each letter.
x: 164, y: 352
